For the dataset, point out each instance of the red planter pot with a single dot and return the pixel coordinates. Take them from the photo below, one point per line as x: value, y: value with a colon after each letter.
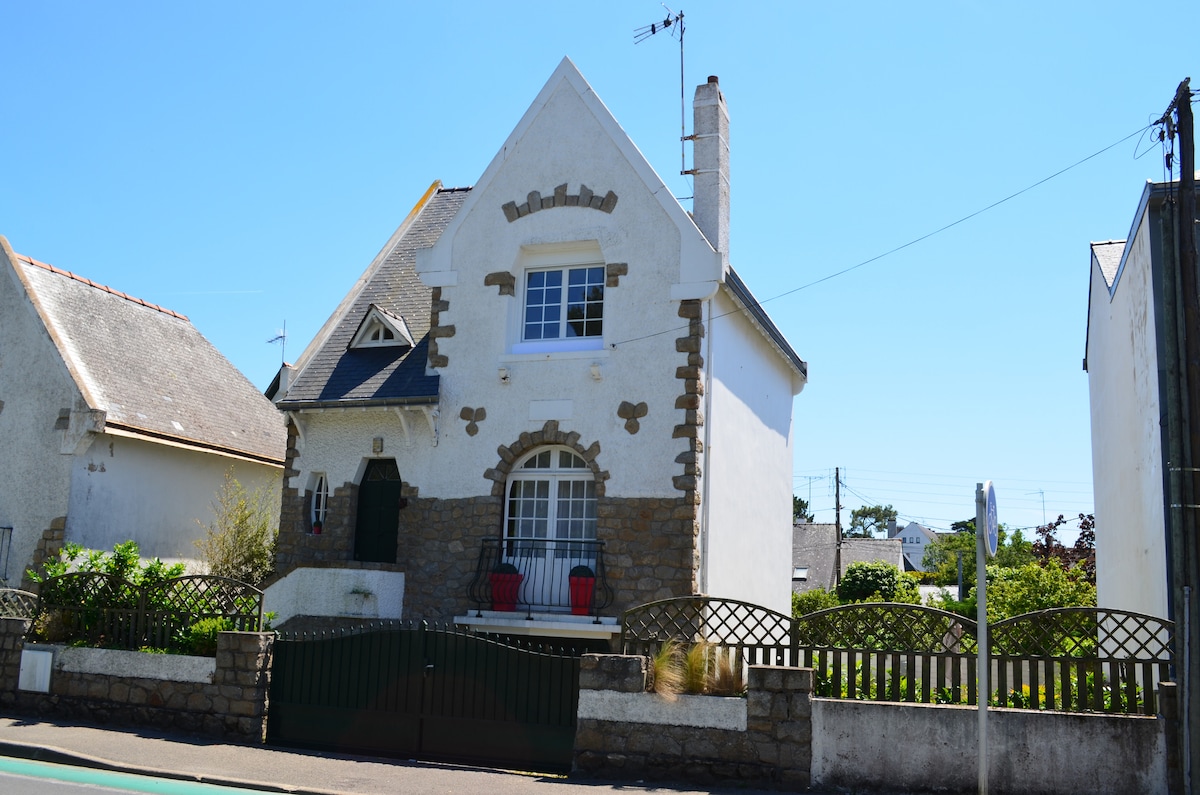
x: 582, y: 589
x: 504, y: 590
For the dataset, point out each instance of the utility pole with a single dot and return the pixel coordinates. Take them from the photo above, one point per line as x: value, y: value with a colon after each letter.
x: 1183, y: 341
x: 837, y: 503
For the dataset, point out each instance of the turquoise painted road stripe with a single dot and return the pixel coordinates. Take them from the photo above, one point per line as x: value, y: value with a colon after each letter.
x: 108, y: 778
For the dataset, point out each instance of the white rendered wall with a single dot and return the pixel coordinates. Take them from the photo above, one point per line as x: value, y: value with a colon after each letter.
x: 354, y: 593
x: 749, y: 467
x: 1126, y: 443
x: 565, y: 143
x: 34, y: 385
x: 126, y: 489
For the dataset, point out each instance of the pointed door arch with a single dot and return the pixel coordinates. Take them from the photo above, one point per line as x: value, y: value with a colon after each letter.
x: 377, y: 525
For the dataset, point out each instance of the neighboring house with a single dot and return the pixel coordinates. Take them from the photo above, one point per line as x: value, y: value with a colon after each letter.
x: 914, y: 538
x: 815, y: 555
x: 554, y: 368
x: 118, y: 420
x: 1129, y: 381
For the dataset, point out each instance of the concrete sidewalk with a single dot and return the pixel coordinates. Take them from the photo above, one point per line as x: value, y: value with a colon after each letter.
x: 273, y: 769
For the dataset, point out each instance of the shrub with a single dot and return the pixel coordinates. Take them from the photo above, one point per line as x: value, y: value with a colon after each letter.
x: 200, y: 638
x: 668, y: 670
x: 812, y: 601
x: 240, y: 541
x: 883, y: 581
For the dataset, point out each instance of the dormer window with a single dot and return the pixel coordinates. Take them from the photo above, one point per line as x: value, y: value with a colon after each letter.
x: 381, y: 329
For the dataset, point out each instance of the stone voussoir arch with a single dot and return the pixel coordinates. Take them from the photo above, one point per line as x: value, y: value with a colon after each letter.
x: 549, y: 435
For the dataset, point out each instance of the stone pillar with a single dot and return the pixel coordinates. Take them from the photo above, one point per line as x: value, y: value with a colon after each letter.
x: 624, y: 673
x: 12, y: 642
x: 243, y: 677
x: 779, y: 720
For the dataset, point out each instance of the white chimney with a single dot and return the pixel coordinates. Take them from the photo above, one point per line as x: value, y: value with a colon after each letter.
x: 710, y: 203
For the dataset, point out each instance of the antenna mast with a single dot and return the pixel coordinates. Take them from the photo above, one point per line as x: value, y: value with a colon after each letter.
x: 672, y: 23
x: 281, y: 338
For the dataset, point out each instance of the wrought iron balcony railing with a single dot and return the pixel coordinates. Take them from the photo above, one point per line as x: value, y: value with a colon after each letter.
x: 541, y: 575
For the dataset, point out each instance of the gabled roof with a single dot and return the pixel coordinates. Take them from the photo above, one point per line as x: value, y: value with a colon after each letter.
x: 815, y: 547
x: 330, y: 373
x: 148, y: 368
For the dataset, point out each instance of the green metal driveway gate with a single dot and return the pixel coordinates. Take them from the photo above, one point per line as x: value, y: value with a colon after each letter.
x: 420, y: 692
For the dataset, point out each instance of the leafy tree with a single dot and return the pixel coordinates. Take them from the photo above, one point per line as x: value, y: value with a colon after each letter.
x: 1011, y: 592
x: 865, y: 581
x: 800, y: 509
x: 941, y: 557
x: 870, y: 520
x: 240, y: 542
x: 1082, y: 554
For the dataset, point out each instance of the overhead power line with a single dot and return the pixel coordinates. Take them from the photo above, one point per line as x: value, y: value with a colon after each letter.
x: 913, y: 242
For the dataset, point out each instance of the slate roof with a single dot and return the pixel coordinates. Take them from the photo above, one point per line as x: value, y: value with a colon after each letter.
x: 150, y: 370
x: 815, y: 546
x: 333, y: 375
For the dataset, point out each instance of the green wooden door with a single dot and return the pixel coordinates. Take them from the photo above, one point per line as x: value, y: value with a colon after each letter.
x: 378, y: 512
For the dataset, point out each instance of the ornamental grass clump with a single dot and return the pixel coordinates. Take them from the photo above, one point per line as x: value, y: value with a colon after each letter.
x: 667, y: 668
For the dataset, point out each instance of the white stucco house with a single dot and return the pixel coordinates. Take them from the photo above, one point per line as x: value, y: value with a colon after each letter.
x: 555, y: 376
x: 914, y: 538
x: 1128, y: 386
x: 118, y: 420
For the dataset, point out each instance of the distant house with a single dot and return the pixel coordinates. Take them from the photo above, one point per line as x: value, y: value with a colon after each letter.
x: 914, y: 538
x: 552, y: 378
x: 1129, y: 383
x: 118, y: 420
x: 815, y: 554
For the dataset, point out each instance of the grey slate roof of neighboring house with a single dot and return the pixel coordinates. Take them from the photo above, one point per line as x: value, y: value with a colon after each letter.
x: 335, y: 375
x: 815, y: 546
x: 150, y: 370
x: 1108, y: 256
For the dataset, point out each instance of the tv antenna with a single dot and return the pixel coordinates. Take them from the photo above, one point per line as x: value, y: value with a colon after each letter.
x: 281, y: 338
x: 672, y: 24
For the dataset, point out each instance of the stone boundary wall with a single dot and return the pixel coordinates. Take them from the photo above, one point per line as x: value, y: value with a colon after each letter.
x: 793, y: 741
x: 687, y: 745
x: 107, y: 686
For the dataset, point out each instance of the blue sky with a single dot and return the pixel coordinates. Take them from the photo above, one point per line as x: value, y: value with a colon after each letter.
x: 241, y: 163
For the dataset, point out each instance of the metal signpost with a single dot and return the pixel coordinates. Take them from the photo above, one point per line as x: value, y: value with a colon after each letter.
x: 987, y: 538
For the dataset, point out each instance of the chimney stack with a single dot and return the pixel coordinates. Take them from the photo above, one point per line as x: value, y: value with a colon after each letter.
x: 710, y: 166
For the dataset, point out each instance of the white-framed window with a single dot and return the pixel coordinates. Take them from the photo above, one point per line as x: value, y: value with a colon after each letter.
x: 551, y: 497
x: 561, y: 299
x: 320, y: 499
x: 561, y: 303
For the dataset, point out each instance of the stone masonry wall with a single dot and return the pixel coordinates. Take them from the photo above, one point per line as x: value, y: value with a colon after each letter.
x: 775, y: 750
x: 651, y: 544
x: 233, y: 706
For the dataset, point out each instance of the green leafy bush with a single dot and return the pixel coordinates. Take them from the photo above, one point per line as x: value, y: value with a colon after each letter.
x: 812, y: 601
x: 200, y: 638
x: 865, y: 581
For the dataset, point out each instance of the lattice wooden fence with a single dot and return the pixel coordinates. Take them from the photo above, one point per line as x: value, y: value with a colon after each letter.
x: 1072, y: 659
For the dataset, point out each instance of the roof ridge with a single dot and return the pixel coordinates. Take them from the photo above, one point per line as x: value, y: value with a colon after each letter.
x: 98, y: 286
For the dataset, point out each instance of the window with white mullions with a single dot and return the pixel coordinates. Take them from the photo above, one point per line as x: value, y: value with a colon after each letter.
x: 554, y: 310
x: 532, y: 514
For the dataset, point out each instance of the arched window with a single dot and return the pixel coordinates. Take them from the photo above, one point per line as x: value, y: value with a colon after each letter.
x: 551, y: 497
x: 320, y: 500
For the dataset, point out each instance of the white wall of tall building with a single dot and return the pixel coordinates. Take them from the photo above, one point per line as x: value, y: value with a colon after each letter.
x: 749, y: 427
x: 1126, y: 443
